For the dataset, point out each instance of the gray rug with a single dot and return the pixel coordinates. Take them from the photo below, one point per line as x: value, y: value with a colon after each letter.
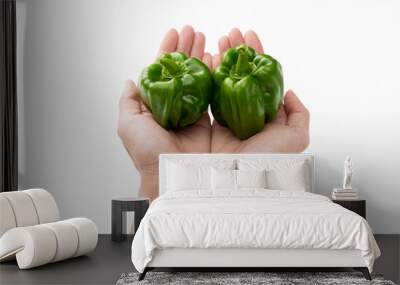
x: 269, y: 278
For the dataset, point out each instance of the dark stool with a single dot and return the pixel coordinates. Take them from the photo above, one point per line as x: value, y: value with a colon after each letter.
x: 119, y: 205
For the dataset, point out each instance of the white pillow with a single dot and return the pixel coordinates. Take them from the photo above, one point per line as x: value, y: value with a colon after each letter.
x: 227, y: 179
x: 187, y: 174
x: 290, y: 179
x: 223, y: 179
x: 282, y: 174
x: 251, y: 178
x: 181, y: 178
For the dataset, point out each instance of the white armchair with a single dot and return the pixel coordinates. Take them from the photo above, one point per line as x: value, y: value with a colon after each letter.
x: 31, y: 230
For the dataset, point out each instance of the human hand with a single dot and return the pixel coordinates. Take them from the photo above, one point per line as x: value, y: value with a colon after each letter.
x: 289, y: 132
x: 143, y: 137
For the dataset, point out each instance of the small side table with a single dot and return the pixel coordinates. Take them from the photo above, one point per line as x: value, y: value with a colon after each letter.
x: 357, y: 206
x: 139, y: 205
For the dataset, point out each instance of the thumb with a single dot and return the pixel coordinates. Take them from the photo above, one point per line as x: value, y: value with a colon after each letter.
x: 298, y: 115
x: 129, y: 103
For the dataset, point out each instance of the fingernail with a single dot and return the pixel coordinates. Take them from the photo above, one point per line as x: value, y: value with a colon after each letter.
x: 185, y: 27
x: 235, y: 29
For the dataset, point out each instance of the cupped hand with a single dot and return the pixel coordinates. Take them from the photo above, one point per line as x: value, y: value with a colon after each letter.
x: 288, y: 133
x: 143, y: 137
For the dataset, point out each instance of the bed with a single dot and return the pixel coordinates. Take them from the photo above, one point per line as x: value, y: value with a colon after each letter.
x: 247, y: 211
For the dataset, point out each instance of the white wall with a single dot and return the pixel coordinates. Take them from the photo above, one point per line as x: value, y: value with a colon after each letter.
x: 70, y: 74
x: 341, y: 57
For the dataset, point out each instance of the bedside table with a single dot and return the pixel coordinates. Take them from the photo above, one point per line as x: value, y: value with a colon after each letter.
x: 357, y: 206
x: 119, y: 205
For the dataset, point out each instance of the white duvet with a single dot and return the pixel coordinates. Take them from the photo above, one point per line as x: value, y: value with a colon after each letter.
x: 250, y: 219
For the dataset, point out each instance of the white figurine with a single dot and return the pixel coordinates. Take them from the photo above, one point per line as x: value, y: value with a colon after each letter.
x: 348, y: 173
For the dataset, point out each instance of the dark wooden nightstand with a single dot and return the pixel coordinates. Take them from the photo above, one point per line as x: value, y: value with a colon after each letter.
x: 357, y: 206
x: 119, y: 205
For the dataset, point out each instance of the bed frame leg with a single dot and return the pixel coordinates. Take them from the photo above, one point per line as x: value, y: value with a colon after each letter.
x: 364, y: 271
x: 143, y: 274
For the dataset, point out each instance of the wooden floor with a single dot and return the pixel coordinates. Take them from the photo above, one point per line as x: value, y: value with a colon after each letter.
x: 110, y: 260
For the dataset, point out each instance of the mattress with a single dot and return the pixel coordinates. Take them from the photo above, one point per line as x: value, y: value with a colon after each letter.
x: 250, y: 219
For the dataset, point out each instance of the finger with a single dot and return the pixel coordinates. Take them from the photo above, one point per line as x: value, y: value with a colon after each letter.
x: 207, y: 59
x: 251, y: 39
x: 129, y: 103
x: 298, y: 115
x: 185, y: 41
x: 235, y: 37
x: 199, y: 44
x: 216, y: 61
x: 281, y: 117
x: 169, y: 42
x: 223, y: 45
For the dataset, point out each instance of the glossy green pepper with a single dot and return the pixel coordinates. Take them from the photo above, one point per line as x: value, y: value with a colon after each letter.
x: 248, y: 89
x: 176, y: 89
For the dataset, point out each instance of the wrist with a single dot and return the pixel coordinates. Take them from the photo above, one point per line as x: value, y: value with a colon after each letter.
x: 148, y: 184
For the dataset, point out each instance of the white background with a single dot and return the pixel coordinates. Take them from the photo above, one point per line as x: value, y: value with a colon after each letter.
x: 341, y: 57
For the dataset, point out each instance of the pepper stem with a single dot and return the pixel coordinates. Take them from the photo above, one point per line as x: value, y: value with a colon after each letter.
x: 242, y: 64
x: 170, y: 65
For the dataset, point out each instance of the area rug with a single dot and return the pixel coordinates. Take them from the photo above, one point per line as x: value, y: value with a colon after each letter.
x: 243, y: 278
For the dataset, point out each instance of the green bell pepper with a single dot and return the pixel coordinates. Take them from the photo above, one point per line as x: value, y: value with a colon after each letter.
x: 248, y: 91
x: 176, y: 89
